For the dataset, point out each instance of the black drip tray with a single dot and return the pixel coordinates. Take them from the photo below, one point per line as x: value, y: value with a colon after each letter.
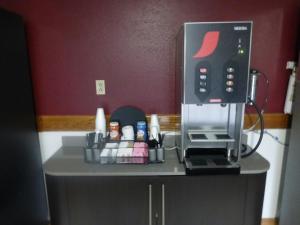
x: 198, y: 162
x: 221, y: 162
x: 210, y: 164
x: 204, y: 162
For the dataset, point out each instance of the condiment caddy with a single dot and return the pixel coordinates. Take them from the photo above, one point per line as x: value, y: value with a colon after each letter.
x: 120, y: 152
x: 122, y: 145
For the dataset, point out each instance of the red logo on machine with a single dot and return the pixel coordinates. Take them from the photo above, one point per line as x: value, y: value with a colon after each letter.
x: 209, y: 44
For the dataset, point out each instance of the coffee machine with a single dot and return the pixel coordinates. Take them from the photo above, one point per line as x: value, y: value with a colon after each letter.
x: 212, y: 73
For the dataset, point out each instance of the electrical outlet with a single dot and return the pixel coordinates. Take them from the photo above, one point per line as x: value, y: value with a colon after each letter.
x: 100, y: 87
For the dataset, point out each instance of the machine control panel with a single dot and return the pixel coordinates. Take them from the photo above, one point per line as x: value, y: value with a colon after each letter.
x: 202, y: 80
x: 229, y: 74
x: 230, y: 69
x: 216, y: 62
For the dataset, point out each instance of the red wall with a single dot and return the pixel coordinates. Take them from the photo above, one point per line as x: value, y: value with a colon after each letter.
x: 130, y: 44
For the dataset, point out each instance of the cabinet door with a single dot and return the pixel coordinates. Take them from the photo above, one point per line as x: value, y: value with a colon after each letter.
x: 108, y: 200
x: 203, y: 200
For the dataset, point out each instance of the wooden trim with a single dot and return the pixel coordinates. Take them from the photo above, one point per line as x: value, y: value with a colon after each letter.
x: 269, y: 221
x: 272, y: 120
x: 167, y: 122
x: 65, y: 123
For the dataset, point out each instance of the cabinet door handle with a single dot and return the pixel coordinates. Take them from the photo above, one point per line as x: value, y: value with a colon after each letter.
x: 150, y: 203
x: 163, y: 204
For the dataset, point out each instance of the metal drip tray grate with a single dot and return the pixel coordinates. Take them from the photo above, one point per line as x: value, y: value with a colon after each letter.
x: 209, y: 136
x: 198, y: 136
x: 222, y: 136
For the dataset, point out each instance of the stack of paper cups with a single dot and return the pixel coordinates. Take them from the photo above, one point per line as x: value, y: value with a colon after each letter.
x: 154, y: 127
x: 100, y: 123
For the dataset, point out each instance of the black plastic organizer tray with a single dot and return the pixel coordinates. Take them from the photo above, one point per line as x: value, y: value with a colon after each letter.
x: 93, y: 155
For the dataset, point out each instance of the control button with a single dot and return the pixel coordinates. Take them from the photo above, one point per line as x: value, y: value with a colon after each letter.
x: 202, y: 77
x: 202, y: 83
x: 230, y: 76
x: 230, y: 69
x: 229, y: 89
x: 241, y: 51
x: 229, y: 83
x: 203, y: 70
x: 202, y: 90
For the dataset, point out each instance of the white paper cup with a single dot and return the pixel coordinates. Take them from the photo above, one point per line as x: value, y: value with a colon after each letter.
x: 154, y: 122
x: 100, y: 123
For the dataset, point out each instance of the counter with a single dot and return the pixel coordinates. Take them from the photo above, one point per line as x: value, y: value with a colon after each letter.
x: 69, y: 161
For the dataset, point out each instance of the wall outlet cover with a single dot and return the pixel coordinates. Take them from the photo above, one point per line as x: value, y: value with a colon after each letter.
x: 100, y: 87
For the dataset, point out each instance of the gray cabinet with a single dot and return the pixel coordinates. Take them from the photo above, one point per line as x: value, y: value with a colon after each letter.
x: 99, y: 200
x: 207, y: 200
x: 159, y: 200
x: 217, y: 200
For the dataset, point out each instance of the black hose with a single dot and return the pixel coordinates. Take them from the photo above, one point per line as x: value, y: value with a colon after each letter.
x: 262, y: 127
